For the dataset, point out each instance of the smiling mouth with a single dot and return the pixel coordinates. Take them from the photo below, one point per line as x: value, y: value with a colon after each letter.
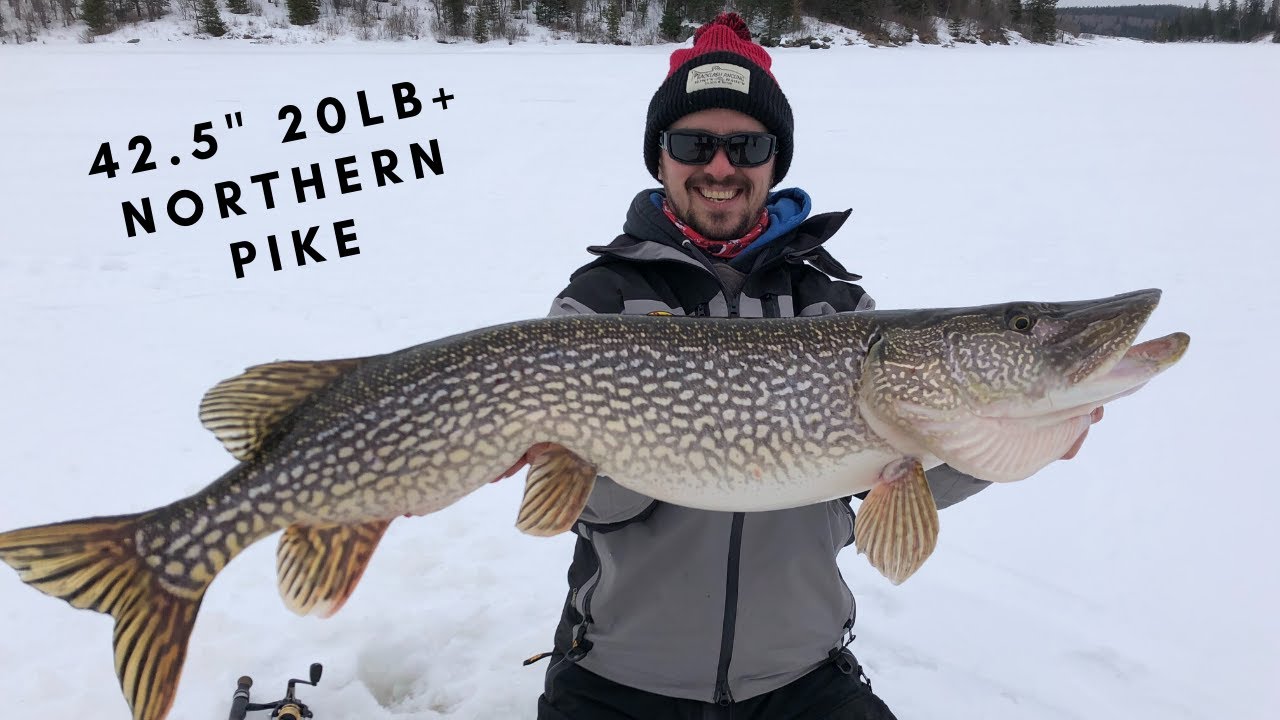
x: 719, y: 196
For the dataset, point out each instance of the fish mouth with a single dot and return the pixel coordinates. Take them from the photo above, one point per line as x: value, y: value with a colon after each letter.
x: 1114, y: 365
x: 1107, y: 328
x: 1137, y: 366
x: 1102, y: 361
x: 1133, y: 369
x: 1145, y: 360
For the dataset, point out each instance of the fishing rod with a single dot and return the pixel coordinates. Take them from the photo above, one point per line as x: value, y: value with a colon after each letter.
x: 288, y: 708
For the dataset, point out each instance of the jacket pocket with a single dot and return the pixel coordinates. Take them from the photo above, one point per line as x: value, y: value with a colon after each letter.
x: 842, y: 523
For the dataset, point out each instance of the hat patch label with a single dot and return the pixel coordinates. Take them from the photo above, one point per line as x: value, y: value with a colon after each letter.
x: 718, y: 75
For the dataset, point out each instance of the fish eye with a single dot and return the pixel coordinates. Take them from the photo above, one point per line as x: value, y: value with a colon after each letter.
x: 1021, y: 323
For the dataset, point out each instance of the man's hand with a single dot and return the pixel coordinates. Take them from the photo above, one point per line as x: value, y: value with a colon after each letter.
x: 1094, y: 417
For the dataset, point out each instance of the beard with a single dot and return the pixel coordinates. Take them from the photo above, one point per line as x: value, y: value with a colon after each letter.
x: 710, y: 223
x: 721, y: 226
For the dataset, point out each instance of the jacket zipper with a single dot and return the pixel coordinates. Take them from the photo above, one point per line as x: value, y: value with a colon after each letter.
x: 580, y: 644
x: 723, y: 696
x: 730, y: 303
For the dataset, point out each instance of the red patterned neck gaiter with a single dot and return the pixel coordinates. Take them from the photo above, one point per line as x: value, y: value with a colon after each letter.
x: 718, y: 248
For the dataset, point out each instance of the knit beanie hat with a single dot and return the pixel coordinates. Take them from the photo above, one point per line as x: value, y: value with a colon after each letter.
x: 723, y: 69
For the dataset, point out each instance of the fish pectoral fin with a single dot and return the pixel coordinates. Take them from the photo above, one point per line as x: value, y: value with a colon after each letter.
x: 1006, y: 450
x: 93, y: 564
x: 243, y: 410
x: 555, y: 492
x: 319, y: 566
x: 897, y: 523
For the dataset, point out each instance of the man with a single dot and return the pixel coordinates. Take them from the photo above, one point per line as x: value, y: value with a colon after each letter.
x: 680, y: 613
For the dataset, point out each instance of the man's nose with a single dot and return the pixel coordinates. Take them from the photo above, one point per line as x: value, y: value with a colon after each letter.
x: 720, y: 167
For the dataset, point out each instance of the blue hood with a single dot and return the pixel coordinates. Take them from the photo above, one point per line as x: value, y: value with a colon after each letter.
x: 787, y: 209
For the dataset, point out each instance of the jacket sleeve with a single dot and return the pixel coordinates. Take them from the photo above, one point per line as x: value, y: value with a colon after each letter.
x: 817, y: 294
x: 591, y: 291
x: 610, y: 506
x: 950, y: 486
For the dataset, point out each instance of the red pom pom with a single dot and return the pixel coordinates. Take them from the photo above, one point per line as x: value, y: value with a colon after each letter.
x: 731, y: 20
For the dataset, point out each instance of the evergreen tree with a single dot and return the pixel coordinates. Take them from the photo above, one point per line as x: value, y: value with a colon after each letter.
x: 1015, y: 12
x: 781, y: 16
x: 1253, y: 20
x: 859, y: 14
x: 1043, y: 20
x: 1204, y: 21
x: 554, y: 13
x: 156, y: 9
x: 613, y: 21
x: 499, y: 17
x: 455, y: 17
x: 238, y: 7
x: 776, y: 16
x: 480, y: 23
x: 702, y: 11
x: 303, y: 12
x: 209, y: 19
x: 672, y: 21
x: 97, y: 15
x: 912, y: 8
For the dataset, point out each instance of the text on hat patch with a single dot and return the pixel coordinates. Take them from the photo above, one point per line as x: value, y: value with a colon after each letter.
x: 718, y: 75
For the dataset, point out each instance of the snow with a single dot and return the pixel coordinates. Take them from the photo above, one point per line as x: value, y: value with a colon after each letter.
x: 1138, y: 580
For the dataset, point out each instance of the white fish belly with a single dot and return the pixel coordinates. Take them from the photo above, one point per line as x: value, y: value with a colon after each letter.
x: 755, y: 487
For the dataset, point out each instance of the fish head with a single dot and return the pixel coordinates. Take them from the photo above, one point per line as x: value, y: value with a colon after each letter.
x: 1000, y: 391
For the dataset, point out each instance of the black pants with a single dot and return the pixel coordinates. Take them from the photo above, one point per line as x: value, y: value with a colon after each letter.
x: 834, y: 691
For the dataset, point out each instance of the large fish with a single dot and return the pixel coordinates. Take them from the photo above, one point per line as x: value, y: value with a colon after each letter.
x: 722, y: 414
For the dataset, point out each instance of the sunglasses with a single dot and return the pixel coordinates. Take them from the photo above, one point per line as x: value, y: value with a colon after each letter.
x: 695, y: 147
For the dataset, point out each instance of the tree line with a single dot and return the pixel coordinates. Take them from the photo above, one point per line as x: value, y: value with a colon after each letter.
x: 608, y: 21
x: 879, y: 20
x: 1228, y: 22
x: 1234, y: 21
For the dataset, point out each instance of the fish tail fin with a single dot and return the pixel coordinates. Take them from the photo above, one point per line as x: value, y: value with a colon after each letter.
x: 94, y: 564
x: 897, y: 524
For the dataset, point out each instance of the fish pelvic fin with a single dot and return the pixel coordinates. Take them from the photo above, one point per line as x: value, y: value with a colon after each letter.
x: 243, y: 411
x: 897, y: 524
x: 319, y: 566
x: 93, y: 564
x: 555, y: 491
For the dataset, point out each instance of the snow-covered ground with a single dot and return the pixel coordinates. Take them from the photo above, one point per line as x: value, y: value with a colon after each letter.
x: 1136, y: 581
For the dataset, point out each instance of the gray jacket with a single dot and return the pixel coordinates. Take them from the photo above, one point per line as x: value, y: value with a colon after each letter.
x: 711, y: 606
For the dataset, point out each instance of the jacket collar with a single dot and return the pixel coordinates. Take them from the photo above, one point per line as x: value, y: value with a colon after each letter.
x: 649, y: 236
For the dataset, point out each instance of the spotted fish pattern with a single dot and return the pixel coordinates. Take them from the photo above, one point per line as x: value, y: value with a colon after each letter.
x: 722, y: 414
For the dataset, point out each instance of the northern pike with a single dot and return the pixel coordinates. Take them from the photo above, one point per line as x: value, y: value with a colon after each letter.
x: 720, y: 414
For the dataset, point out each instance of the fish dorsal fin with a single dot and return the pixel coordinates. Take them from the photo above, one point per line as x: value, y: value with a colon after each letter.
x: 320, y: 565
x: 555, y: 491
x: 242, y: 410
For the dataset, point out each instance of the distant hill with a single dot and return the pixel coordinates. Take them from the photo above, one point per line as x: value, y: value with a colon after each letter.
x: 1135, y: 21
